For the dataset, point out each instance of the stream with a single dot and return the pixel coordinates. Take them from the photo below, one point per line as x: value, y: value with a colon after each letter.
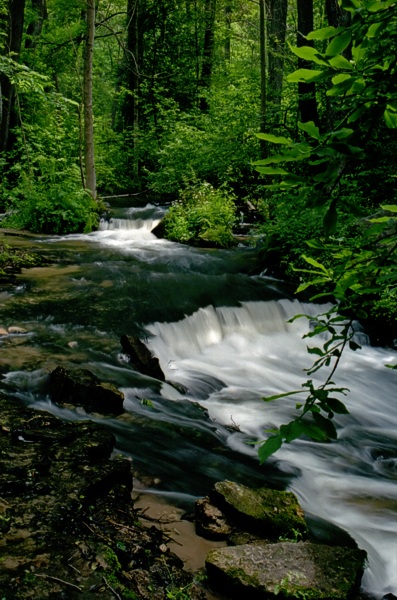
x: 219, y: 328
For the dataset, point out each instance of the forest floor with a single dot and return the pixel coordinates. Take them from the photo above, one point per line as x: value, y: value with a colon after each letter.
x: 69, y: 527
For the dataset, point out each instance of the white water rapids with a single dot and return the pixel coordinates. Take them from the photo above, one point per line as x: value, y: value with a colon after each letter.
x: 255, y: 353
x: 228, y: 354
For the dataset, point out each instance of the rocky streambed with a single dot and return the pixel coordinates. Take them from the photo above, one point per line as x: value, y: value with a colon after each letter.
x: 69, y: 527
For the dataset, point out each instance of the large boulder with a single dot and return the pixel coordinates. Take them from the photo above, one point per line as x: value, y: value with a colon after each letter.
x: 301, y: 570
x: 82, y: 388
x: 141, y: 358
x: 264, y: 511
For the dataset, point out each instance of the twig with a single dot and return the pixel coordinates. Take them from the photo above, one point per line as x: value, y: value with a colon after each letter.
x: 111, y: 589
x: 73, y: 567
x: 107, y: 540
x: 76, y: 587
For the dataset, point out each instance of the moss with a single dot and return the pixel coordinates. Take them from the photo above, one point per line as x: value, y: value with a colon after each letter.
x: 273, y: 512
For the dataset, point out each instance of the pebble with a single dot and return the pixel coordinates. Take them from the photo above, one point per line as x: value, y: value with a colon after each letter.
x: 16, y: 330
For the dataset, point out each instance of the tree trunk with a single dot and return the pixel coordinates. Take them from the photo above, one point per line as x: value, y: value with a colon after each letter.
x: 35, y: 27
x: 263, y: 67
x: 277, y: 28
x: 208, y: 51
x: 337, y: 17
x: 13, y: 41
x: 306, y: 91
x: 134, y: 56
x: 130, y: 108
x: 90, y: 175
x: 228, y: 30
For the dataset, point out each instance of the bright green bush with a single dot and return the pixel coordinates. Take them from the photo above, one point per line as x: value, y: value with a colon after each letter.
x: 202, y: 215
x: 53, y: 208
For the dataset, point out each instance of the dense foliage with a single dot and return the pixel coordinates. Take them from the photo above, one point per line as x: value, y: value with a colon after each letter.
x: 202, y: 214
x: 357, y: 264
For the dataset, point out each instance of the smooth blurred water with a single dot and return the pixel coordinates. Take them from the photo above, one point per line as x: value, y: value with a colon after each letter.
x: 220, y: 330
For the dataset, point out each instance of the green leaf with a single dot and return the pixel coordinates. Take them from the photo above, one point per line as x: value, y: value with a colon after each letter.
x: 316, y: 264
x: 271, y: 445
x: 359, y: 51
x: 322, y: 34
x: 331, y: 218
x: 313, y: 431
x: 314, y: 350
x: 311, y: 129
x: 340, y: 62
x: 275, y: 139
x: 350, y: 5
x: 272, y: 171
x: 389, y: 207
x: 377, y: 6
x: 326, y: 425
x: 307, y: 76
x: 342, y: 133
x: 390, y: 118
x: 374, y: 29
x: 308, y: 53
x: 337, y: 406
x: 339, y: 43
x: 354, y: 346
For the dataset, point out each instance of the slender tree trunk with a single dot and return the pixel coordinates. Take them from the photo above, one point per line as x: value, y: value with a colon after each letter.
x: 277, y: 28
x: 263, y: 66
x: 228, y: 29
x: 13, y: 40
x: 130, y: 110
x: 90, y: 174
x: 306, y: 91
x: 208, y: 51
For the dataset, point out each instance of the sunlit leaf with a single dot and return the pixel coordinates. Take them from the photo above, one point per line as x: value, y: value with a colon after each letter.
x: 275, y: 139
x: 322, y: 34
x: 308, y: 53
x: 339, y: 43
x: 307, y: 76
x: 311, y: 129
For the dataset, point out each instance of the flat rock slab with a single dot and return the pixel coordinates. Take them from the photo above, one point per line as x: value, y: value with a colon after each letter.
x: 287, y: 570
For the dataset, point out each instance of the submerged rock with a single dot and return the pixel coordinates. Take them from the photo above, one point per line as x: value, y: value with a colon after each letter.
x: 302, y: 570
x: 141, y: 358
x: 82, y: 388
x: 266, y: 512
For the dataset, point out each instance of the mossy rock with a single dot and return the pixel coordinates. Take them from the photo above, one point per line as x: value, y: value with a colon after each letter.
x: 287, y: 570
x: 270, y: 513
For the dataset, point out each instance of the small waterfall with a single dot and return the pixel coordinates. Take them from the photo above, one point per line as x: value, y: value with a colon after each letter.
x: 252, y: 351
x: 134, y: 223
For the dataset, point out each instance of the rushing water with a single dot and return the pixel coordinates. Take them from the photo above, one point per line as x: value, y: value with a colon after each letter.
x: 220, y: 330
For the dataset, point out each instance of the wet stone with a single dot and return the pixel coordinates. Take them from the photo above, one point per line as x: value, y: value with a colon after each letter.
x: 301, y: 570
x: 264, y: 511
x: 81, y: 387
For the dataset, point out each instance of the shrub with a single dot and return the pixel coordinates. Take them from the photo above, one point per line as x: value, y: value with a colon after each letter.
x: 202, y: 215
x: 54, y: 208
